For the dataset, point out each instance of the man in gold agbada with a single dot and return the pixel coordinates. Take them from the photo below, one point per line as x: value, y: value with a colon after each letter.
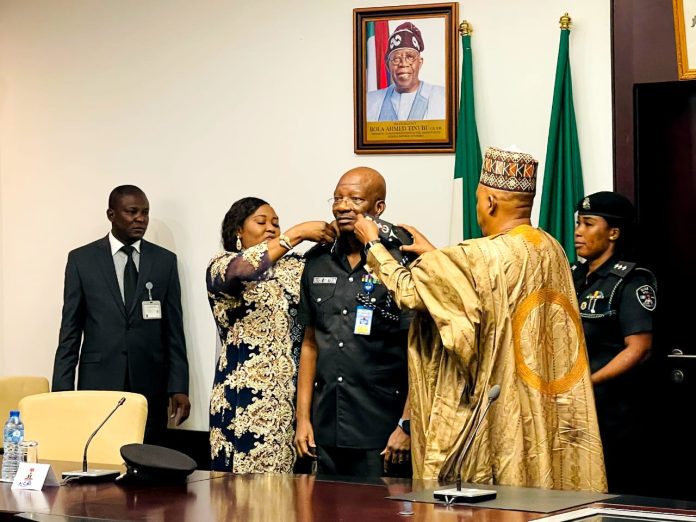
x: 497, y: 310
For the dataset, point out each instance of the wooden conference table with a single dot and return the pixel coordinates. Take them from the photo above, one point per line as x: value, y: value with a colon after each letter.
x: 210, y: 496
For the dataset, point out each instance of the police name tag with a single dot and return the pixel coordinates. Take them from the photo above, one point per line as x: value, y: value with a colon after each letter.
x: 363, y: 321
x: 324, y: 280
x: 152, y: 310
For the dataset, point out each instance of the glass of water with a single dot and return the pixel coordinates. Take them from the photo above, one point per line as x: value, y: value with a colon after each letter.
x: 29, y: 451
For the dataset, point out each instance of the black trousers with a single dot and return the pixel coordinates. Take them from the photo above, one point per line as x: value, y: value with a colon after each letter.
x: 157, y: 416
x: 349, y: 462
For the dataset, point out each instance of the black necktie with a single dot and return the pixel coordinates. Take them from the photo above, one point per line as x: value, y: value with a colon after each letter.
x: 130, y: 277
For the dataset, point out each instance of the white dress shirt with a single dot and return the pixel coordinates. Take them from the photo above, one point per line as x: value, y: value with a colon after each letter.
x: 121, y: 258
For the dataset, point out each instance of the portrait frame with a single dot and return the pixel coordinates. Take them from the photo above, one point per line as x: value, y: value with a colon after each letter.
x: 685, y: 35
x: 427, y: 124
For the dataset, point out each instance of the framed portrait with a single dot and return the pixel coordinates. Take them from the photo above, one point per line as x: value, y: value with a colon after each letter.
x: 685, y: 33
x: 405, y: 69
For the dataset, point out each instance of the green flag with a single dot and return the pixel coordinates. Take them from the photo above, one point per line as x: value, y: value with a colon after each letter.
x: 467, y: 162
x: 563, y: 172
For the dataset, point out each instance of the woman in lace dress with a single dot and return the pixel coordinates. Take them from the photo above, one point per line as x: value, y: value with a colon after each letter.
x: 253, y: 290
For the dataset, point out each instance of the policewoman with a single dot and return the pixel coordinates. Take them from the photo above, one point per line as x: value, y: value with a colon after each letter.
x: 617, y: 299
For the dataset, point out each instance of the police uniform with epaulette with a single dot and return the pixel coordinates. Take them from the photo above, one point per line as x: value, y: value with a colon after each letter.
x: 361, y: 381
x: 616, y: 300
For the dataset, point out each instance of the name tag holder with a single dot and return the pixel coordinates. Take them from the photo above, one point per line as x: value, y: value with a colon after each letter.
x: 151, y: 309
x: 364, y: 312
x: 363, y: 320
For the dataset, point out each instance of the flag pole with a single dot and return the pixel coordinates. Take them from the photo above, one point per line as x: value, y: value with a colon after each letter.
x: 467, y: 162
x: 565, y: 21
x: 563, y: 184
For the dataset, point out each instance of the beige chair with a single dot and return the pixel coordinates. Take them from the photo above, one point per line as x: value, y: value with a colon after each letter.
x: 12, y: 389
x: 62, y: 422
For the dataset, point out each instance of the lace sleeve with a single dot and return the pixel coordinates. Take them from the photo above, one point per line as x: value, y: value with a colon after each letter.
x: 228, y: 270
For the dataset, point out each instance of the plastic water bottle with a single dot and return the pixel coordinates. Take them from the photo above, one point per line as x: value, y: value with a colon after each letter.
x: 13, y: 434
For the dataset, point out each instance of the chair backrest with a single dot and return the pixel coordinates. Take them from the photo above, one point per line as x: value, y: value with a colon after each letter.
x: 14, y: 388
x: 62, y: 422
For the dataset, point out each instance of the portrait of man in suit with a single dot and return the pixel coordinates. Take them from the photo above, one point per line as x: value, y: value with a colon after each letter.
x: 122, y: 326
x: 407, y: 97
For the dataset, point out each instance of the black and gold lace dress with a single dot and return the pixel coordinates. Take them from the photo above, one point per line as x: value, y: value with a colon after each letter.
x: 252, y: 407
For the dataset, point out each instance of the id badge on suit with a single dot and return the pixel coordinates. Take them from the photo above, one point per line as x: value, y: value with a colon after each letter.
x: 151, y: 309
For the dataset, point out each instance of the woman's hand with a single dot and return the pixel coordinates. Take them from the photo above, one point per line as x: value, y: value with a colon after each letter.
x: 317, y: 231
x: 420, y: 243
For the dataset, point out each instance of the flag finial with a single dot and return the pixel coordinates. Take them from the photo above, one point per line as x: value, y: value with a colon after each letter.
x: 565, y: 22
x: 465, y: 28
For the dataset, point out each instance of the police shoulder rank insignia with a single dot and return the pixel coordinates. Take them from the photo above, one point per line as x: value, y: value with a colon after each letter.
x: 646, y: 297
x: 622, y: 268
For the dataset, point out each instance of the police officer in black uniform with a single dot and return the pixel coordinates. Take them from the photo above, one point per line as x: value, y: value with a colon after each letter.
x: 617, y: 299
x: 352, y: 408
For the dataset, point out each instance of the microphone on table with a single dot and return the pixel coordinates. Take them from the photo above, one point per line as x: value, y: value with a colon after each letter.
x: 95, y: 473
x: 457, y: 494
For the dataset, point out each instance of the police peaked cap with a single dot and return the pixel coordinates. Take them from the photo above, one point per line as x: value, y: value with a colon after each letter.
x: 156, y: 464
x: 608, y: 205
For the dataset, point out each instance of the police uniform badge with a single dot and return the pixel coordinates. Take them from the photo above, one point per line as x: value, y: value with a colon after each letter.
x: 646, y: 297
x: 590, y: 301
x: 586, y: 203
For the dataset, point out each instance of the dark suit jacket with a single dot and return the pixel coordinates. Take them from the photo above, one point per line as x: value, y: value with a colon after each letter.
x: 112, y: 342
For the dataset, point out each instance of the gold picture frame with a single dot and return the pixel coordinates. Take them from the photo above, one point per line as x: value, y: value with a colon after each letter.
x: 394, y: 115
x: 685, y: 34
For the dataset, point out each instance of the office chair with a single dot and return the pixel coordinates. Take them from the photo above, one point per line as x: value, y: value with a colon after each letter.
x: 14, y: 388
x: 62, y: 422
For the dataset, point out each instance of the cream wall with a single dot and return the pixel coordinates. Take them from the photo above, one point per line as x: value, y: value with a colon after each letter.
x: 201, y: 103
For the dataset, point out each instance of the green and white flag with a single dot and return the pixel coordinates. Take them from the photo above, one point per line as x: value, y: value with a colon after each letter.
x: 563, y: 186
x: 467, y: 162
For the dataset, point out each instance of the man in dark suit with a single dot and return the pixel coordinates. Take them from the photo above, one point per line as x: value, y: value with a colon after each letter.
x: 122, y: 317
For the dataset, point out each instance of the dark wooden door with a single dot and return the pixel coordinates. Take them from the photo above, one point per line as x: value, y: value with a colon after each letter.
x: 665, y: 183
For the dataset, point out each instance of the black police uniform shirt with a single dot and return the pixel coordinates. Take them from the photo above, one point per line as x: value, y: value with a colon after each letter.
x: 616, y: 300
x: 361, y: 381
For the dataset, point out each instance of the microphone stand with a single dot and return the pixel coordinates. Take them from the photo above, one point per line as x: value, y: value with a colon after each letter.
x: 469, y: 495
x: 94, y: 474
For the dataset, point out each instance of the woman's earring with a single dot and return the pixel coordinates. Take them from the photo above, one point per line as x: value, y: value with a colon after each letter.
x: 239, y: 243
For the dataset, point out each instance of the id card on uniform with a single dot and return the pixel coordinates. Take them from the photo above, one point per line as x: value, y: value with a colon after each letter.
x: 363, y: 320
x: 152, y: 310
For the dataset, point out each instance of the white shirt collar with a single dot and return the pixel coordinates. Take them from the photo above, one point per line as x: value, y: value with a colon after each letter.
x: 116, y: 244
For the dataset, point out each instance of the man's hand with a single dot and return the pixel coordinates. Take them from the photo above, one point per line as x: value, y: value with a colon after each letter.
x: 398, y: 448
x: 180, y: 408
x: 304, y: 440
x: 420, y: 243
x: 365, y: 229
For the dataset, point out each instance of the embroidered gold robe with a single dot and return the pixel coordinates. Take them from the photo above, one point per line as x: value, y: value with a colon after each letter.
x: 498, y: 310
